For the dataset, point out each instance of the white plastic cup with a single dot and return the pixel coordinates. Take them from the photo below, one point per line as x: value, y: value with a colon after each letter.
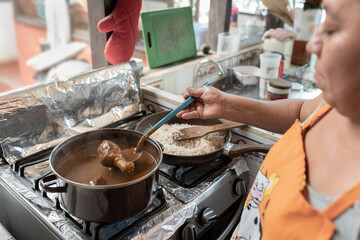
x: 269, y: 69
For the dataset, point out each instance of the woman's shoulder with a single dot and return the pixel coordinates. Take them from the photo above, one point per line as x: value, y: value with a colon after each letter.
x: 309, y: 106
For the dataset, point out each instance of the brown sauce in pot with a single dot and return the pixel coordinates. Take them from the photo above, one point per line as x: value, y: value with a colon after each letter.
x: 84, y: 167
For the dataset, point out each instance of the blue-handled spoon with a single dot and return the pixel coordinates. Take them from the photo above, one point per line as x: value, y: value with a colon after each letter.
x: 133, y: 154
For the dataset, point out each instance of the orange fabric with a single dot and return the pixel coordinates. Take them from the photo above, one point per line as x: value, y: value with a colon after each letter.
x: 275, y: 207
x: 345, y: 201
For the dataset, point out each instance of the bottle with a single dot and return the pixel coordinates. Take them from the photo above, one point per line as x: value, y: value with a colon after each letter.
x: 281, y: 66
x: 233, y: 18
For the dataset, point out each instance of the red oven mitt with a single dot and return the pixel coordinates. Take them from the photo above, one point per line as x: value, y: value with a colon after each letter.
x: 123, y: 22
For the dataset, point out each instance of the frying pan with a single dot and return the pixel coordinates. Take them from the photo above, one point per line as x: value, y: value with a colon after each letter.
x: 233, y: 150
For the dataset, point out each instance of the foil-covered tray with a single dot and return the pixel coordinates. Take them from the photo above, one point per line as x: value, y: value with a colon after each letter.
x: 41, y: 116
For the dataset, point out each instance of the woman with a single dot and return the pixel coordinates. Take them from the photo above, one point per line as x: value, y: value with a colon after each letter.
x: 308, y: 186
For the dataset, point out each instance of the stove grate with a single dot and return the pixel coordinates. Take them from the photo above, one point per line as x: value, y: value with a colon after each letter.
x: 117, y: 229
x: 190, y: 177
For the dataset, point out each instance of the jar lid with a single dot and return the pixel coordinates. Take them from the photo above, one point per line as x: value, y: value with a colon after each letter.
x: 280, y: 83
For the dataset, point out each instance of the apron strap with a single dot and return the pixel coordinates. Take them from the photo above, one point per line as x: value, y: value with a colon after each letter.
x: 344, y: 202
x: 316, y: 114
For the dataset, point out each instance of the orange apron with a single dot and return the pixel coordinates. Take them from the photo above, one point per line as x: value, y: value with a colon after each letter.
x: 275, y: 207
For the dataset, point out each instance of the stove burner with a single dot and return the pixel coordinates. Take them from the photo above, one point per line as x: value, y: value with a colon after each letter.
x: 189, y: 177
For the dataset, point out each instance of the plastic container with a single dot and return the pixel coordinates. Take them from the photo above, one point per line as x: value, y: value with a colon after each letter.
x: 278, y: 89
x: 228, y: 43
x: 247, y: 75
x: 269, y: 69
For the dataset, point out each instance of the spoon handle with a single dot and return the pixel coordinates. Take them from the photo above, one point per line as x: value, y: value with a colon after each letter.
x: 183, y: 105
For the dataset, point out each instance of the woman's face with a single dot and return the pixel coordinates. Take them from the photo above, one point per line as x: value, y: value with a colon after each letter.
x: 337, y: 46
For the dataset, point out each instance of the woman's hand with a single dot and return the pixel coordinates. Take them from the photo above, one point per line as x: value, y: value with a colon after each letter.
x: 275, y: 116
x: 208, y: 104
x: 280, y: 34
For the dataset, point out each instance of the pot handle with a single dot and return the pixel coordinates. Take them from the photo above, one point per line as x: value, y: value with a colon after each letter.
x: 49, y: 180
x: 235, y: 150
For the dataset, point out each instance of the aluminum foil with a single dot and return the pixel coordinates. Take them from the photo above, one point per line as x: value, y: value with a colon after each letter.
x: 164, y: 225
x: 42, y: 207
x: 239, y: 165
x: 187, y: 195
x: 40, y: 117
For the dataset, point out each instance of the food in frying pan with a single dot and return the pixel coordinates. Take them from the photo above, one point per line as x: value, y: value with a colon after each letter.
x: 110, y: 156
x: 190, y: 147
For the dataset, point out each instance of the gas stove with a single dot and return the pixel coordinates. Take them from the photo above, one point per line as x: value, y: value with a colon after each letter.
x: 200, y: 202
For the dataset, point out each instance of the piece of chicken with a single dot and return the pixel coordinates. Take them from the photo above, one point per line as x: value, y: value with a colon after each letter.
x: 109, y: 154
x: 98, y: 181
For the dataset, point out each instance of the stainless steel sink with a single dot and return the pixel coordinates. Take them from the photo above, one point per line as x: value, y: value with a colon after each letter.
x: 232, y: 86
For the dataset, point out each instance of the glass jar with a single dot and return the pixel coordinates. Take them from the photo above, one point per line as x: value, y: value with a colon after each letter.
x: 278, y: 89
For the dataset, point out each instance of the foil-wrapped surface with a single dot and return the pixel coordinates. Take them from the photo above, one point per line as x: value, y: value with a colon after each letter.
x: 239, y: 165
x: 41, y: 207
x: 40, y: 117
x: 187, y: 195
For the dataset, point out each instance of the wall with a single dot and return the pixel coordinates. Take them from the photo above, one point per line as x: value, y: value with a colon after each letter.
x: 8, y: 50
x: 28, y: 42
x: 29, y: 47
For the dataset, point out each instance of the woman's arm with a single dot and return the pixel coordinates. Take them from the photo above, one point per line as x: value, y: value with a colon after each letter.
x: 275, y: 116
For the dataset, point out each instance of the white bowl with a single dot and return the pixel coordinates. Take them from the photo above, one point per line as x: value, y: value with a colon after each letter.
x: 247, y: 75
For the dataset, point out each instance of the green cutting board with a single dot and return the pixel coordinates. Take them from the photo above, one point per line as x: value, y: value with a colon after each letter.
x: 168, y: 35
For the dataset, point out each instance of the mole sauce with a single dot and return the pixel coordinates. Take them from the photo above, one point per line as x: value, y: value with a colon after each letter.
x: 84, y: 167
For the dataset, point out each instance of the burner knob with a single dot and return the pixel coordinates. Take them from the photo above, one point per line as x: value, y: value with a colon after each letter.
x: 189, y: 232
x: 208, y: 216
x: 240, y: 187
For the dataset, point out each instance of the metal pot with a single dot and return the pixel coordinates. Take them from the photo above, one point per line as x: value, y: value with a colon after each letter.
x: 103, y: 203
x: 232, y: 150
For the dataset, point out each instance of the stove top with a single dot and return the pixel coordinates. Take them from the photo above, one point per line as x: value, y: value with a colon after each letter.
x: 180, y: 209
